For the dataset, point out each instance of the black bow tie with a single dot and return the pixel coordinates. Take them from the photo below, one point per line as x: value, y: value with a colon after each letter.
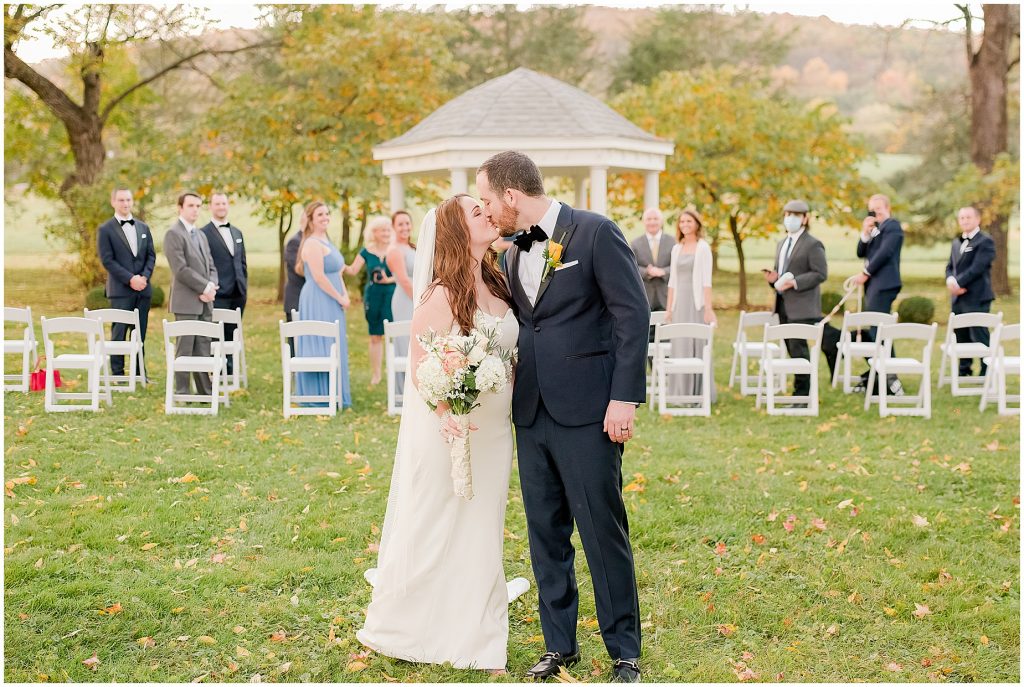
x: 527, y: 237
x: 221, y: 226
x: 965, y: 237
x: 127, y: 221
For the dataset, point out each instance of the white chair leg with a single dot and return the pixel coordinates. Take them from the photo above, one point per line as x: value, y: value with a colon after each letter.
x: 214, y: 392
x: 732, y: 369
x: 883, y: 394
x: 662, y: 392
x: 49, y: 398
x: 871, y: 385
x: 771, y: 392
x: 926, y: 393
x: 169, y: 390
x: 706, y: 389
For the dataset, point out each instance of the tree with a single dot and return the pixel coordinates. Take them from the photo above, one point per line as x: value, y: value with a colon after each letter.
x: 300, y: 126
x: 742, y: 151
x: 98, y: 89
x: 682, y: 39
x: 492, y: 40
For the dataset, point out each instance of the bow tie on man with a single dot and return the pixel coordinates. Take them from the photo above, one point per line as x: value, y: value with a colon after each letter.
x: 222, y: 226
x: 527, y: 237
x: 127, y: 221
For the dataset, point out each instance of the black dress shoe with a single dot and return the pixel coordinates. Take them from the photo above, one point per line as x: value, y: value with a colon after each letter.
x: 626, y: 670
x: 550, y: 664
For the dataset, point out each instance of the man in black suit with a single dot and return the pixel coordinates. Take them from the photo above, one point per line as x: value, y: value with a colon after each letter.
x: 581, y: 373
x: 880, y: 245
x: 969, y: 278
x: 125, y: 247
x: 294, y: 281
x: 228, y: 251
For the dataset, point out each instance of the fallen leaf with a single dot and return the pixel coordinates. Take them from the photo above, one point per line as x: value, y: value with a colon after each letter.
x: 218, y: 558
x: 242, y: 652
x: 92, y: 662
x: 238, y: 629
x: 356, y: 666
x: 150, y: 545
x: 758, y: 539
x: 893, y: 667
x: 993, y: 446
x: 146, y: 642
x: 790, y: 523
x: 845, y: 504
x: 720, y: 549
x: 277, y: 636
x: 920, y: 521
x: 772, y: 516
x: 984, y: 640
x: 188, y: 478
x: 284, y: 668
x: 832, y: 630
x: 803, y: 485
x: 112, y: 610
x: 726, y: 630
x: 889, y: 611
x: 819, y: 524
x: 206, y: 639
x: 921, y: 610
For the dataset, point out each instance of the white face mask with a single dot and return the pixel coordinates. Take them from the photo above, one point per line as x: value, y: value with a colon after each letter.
x: 793, y: 223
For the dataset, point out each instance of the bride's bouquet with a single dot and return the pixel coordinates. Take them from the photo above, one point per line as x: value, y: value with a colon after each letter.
x: 455, y: 370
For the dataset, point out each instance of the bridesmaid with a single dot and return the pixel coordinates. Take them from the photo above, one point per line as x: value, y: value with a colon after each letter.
x: 689, y: 295
x: 323, y: 297
x: 400, y: 260
x: 380, y: 287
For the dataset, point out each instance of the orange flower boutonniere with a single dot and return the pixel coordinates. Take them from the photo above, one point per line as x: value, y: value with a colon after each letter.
x: 552, y: 256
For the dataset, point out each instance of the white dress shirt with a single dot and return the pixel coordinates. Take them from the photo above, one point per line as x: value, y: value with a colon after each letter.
x: 951, y: 280
x: 654, y: 242
x: 531, y: 262
x: 784, y: 255
x: 130, y: 234
x: 210, y: 286
x: 225, y: 233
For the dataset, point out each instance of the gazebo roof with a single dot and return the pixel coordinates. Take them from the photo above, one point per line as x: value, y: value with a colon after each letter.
x: 564, y: 130
x: 522, y: 104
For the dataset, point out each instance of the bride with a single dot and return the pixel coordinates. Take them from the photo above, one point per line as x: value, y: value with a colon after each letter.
x: 439, y: 590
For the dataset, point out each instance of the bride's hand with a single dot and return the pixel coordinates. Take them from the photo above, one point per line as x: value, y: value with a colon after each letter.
x: 450, y: 429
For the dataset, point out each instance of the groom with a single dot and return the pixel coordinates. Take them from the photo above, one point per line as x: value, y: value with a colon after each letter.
x: 583, y: 322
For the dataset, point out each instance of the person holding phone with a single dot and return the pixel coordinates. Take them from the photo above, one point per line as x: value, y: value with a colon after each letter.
x: 380, y: 287
x: 880, y: 244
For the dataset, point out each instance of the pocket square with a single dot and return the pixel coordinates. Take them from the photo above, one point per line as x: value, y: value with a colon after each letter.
x: 143, y: 236
x: 968, y: 249
x: 567, y: 265
x: 238, y: 240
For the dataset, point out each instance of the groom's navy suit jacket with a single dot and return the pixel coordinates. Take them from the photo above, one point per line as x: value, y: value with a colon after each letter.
x: 584, y: 342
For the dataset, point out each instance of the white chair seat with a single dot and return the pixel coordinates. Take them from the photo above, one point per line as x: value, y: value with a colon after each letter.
x: 94, y: 362
x: 400, y: 364
x: 967, y: 350
x: 755, y: 347
x: 682, y: 365
x: 197, y: 363
x: 311, y: 364
x: 75, y: 360
x: 898, y: 365
x: 17, y: 346
x: 883, y: 364
x: 1011, y: 363
x: 860, y: 349
x: 788, y: 365
x: 118, y: 347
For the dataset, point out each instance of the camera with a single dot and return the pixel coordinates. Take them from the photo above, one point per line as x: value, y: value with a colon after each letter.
x: 377, y: 274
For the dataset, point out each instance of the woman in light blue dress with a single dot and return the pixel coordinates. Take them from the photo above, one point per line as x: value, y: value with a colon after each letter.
x: 323, y: 297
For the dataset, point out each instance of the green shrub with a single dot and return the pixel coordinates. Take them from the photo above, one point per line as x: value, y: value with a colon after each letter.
x: 917, y: 309
x: 829, y: 300
x: 158, y: 297
x: 96, y: 299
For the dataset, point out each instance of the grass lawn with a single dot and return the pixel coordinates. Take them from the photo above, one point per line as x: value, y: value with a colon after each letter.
x: 175, y: 548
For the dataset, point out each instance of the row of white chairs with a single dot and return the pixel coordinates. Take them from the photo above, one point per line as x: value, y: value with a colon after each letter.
x: 99, y: 349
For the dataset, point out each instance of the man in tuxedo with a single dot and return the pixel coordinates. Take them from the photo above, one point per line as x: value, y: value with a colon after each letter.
x: 294, y: 281
x: 653, y: 253
x: 800, y: 269
x: 228, y: 250
x: 125, y: 247
x: 193, y: 286
x: 880, y: 244
x: 583, y: 320
x: 969, y: 278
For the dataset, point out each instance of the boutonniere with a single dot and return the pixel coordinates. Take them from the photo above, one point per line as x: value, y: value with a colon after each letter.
x: 553, y: 256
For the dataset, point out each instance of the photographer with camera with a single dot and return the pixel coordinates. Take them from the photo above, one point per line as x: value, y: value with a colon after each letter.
x: 880, y: 243
x: 380, y: 287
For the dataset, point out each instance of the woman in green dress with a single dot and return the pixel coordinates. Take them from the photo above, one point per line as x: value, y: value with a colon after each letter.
x: 380, y: 286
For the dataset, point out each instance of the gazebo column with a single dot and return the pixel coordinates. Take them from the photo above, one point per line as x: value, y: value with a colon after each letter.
x: 397, y: 192
x: 651, y: 199
x: 599, y: 190
x: 460, y: 180
x: 580, y: 183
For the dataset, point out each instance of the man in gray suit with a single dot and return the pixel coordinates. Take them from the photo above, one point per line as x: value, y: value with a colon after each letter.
x: 193, y: 285
x: 800, y: 268
x: 653, y: 253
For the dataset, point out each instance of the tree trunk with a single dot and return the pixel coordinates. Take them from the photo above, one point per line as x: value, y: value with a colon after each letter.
x: 714, y: 253
x: 738, y: 241
x: 346, y: 221
x: 364, y: 216
x: 988, y: 69
x: 283, y: 230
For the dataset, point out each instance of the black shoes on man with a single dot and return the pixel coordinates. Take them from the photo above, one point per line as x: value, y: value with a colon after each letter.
x: 549, y: 665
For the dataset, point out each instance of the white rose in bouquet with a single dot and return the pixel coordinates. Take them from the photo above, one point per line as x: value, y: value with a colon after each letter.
x: 492, y: 375
x: 435, y: 384
x: 479, y: 351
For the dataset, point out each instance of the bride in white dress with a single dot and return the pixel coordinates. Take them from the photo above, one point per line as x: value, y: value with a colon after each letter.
x: 440, y: 594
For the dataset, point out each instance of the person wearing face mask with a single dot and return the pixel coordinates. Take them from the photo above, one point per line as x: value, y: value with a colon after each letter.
x: 800, y: 268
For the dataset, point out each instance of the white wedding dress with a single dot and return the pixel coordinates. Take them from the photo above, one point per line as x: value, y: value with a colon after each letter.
x: 439, y: 592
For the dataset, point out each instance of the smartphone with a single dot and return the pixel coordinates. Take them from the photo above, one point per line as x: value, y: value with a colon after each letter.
x: 765, y: 270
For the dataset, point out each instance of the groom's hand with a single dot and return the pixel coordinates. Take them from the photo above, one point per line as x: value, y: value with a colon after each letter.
x: 618, y: 421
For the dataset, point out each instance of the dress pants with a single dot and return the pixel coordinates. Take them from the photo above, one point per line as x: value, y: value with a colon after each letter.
x: 119, y: 332
x: 797, y: 349
x: 229, y: 302
x: 972, y: 335
x: 197, y: 346
x: 879, y: 301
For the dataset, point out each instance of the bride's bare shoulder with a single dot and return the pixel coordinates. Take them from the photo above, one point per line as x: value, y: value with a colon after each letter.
x: 434, y: 306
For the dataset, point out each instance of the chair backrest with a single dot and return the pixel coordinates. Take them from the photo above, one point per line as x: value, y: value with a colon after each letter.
x: 781, y: 332
x: 974, y: 319
x: 20, y: 315
x: 290, y: 330
x: 231, y: 316
x: 907, y: 330
x: 92, y: 329
x: 397, y: 329
x: 1003, y: 334
x: 211, y: 330
x: 684, y: 330
x: 657, y: 317
x: 295, y: 315
x: 749, y: 320
x: 860, y: 320
x: 109, y: 315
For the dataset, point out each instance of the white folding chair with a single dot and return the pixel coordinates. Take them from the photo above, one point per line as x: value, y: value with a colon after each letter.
x: 666, y: 366
x: 26, y: 347
x: 94, y: 363
x: 849, y: 348
x: 234, y: 347
x: 292, y: 365
x: 744, y: 349
x: 774, y: 368
x: 395, y: 364
x: 130, y: 348
x: 212, y: 364
x: 657, y: 319
x: 1000, y: 366
x: 952, y: 352
x: 883, y: 364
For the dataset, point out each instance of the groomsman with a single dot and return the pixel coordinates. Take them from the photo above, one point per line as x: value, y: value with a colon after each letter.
x: 193, y: 286
x: 880, y: 245
x: 294, y: 281
x: 228, y: 252
x: 969, y: 278
x: 653, y: 253
x: 125, y: 247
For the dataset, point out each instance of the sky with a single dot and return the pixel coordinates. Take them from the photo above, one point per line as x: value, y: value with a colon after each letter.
x: 868, y: 12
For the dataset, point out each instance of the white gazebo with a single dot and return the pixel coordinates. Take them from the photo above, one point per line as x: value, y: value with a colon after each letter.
x: 567, y: 132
